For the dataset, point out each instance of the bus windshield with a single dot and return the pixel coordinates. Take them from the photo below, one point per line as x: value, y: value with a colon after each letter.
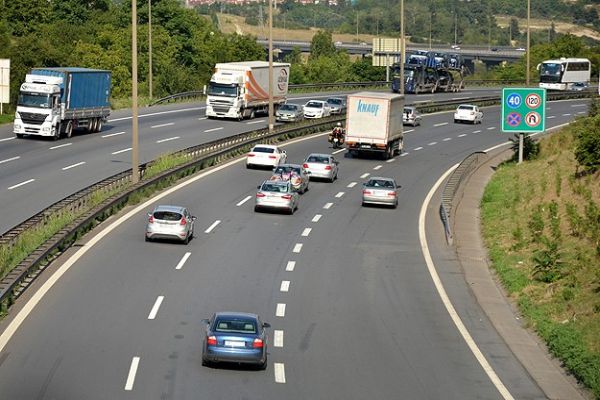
x: 37, y: 100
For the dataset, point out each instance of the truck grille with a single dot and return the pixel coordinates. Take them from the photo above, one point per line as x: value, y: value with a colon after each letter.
x: 32, y: 118
x: 221, y: 106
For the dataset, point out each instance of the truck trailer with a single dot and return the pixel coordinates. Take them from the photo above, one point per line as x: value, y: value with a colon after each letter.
x: 374, y: 123
x: 55, y: 101
x: 241, y: 89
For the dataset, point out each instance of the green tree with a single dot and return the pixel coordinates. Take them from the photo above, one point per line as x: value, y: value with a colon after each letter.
x: 321, y: 45
x: 587, y: 149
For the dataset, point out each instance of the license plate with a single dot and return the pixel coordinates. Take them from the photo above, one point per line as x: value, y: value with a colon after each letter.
x: 380, y: 193
x: 365, y: 146
x: 232, y: 343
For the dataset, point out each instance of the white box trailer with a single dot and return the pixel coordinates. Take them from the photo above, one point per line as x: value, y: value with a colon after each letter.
x: 241, y: 89
x: 374, y: 123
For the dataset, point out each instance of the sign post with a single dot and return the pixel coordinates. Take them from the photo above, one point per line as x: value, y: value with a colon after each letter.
x: 523, y: 111
x: 4, y: 82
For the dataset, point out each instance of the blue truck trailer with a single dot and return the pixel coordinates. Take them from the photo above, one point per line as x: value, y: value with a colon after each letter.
x: 53, y: 102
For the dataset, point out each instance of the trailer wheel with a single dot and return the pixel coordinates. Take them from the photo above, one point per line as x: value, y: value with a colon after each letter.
x: 68, y: 130
x: 91, y: 124
x: 252, y: 114
x: 99, y: 124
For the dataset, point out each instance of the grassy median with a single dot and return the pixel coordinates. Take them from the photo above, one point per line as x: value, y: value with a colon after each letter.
x: 541, y: 224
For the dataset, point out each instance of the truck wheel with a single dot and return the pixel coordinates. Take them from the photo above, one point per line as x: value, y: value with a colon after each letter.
x: 69, y: 129
x: 99, y: 125
x: 57, y: 131
x: 20, y: 135
x: 252, y: 114
x: 91, y: 125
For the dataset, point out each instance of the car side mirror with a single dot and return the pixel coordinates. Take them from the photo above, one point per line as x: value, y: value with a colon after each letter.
x: 258, y: 187
x: 266, y: 325
x: 148, y: 215
x: 193, y: 218
x: 283, y: 151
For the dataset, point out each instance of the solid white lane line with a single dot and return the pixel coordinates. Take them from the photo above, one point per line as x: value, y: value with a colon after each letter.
x: 20, y: 184
x: 213, y: 129
x: 446, y: 139
x: 244, y: 200
x: 162, y: 125
x: 255, y: 122
x: 444, y: 296
x: 351, y: 184
x: 431, y: 144
x: 8, y: 138
x: 440, y: 124
x: 297, y: 248
x: 285, y: 286
x: 60, y: 145
x: 551, y: 116
x: 491, y: 128
x: 290, y: 266
x: 9, y: 159
x: 316, y: 218
x: 112, y: 134
x: 73, y: 165
x: 365, y: 175
x: 338, y: 151
x: 168, y: 139
x: 377, y: 167
x: 279, y: 369
x: 121, y: 151
x: 155, y: 307
x: 210, y: 228
x: 339, y: 194
x: 306, y: 231
x: 462, y: 135
x: 477, y: 131
x: 403, y: 154
x: 278, y: 338
x: 327, y: 206
x: 280, y: 311
x: 132, y: 371
x: 183, y: 260
x: 418, y: 148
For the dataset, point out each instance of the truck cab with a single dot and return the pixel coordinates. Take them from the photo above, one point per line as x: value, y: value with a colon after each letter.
x: 225, y: 94
x: 38, y: 106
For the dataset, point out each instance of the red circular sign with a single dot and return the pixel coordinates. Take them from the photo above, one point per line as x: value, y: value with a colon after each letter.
x: 533, y: 119
x: 533, y: 100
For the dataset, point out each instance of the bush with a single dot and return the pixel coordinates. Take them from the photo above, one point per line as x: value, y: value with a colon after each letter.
x: 587, y: 148
x: 547, y: 263
x: 530, y: 148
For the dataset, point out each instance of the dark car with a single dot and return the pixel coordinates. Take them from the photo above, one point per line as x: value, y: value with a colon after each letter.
x: 337, y: 104
x: 235, y: 337
x: 289, y: 112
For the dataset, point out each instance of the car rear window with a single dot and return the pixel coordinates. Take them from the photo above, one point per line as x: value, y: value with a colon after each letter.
x: 167, y: 215
x: 271, y: 187
x: 334, y: 101
x: 230, y: 325
x: 317, y: 159
x: 288, y: 107
x: 380, y: 183
x: 470, y: 108
x: 263, y: 150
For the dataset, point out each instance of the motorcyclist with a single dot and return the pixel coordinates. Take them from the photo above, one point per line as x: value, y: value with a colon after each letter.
x: 338, y: 132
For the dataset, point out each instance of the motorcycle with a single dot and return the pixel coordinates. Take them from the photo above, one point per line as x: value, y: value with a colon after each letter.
x: 336, y: 138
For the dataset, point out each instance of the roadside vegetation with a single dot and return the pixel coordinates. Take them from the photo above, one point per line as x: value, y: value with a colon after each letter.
x: 541, y: 223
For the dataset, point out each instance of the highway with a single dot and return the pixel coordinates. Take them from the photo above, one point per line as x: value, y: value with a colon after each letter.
x: 346, y: 288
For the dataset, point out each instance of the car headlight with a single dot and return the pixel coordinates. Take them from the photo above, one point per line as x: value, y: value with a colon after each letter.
x: 17, y: 127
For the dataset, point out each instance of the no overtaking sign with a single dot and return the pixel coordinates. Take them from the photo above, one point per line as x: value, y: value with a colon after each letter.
x: 523, y: 110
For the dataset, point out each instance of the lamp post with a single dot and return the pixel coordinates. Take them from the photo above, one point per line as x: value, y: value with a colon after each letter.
x: 150, y: 49
x: 528, y: 41
x: 134, y: 96
x: 270, y: 65
x: 402, y: 47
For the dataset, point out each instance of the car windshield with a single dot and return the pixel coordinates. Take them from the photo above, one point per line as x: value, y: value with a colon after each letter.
x: 167, y: 215
x: 318, y: 159
x: 274, y: 187
x: 408, y: 110
x: 218, y: 89
x: 235, y: 325
x: 263, y: 150
x: 288, y: 107
x: 337, y: 102
x: 37, y: 100
x: 380, y: 183
x: 314, y: 104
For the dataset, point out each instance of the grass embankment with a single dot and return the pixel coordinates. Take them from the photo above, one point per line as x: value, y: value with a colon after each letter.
x: 541, y: 223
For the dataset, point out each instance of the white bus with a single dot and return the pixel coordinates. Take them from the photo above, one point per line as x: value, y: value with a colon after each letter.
x: 562, y: 73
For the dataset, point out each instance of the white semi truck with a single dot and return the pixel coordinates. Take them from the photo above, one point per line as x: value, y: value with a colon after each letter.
x: 241, y: 89
x: 374, y: 123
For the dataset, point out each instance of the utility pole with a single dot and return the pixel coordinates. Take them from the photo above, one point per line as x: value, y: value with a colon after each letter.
x: 357, y: 41
x: 135, y: 177
x: 270, y: 65
x: 528, y: 41
x: 402, y: 47
x: 150, y: 49
x: 455, y: 26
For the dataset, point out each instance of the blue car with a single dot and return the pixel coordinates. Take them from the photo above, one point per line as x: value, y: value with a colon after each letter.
x: 235, y: 337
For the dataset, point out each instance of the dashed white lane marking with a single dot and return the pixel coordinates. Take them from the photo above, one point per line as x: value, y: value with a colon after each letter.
x: 351, y: 184
x: 285, y: 286
x: 20, y: 184
x: 213, y: 129
x: 278, y: 338
x: 297, y: 248
x: 404, y: 154
x: 60, y: 145
x: 581, y: 112
x: 491, y: 128
x: 567, y: 115
x: 339, y: 194
x: 390, y: 160
x: 8, y: 138
x: 477, y: 131
x: 290, y: 266
x: 162, y: 125
x: 409, y: 130
x: 279, y: 369
x: 578, y: 105
x: 155, y: 307
x: 132, y: 371
x: 113, y: 134
x: 446, y: 139
x: 183, y: 260
x: 440, y: 124
x: 73, y: 165
x: 214, y: 224
x: 418, y: 148
x: 121, y: 151
x: 306, y: 231
x: 551, y: 116
x: 338, y: 151
x: 462, y: 135
x: 255, y: 122
x: 444, y: 296
x: 9, y: 159
x: 377, y: 167
x: 365, y: 175
x: 327, y: 206
x: 244, y: 200
x: 431, y: 144
x: 280, y: 311
x: 168, y: 139
x: 316, y: 218
x: 202, y: 118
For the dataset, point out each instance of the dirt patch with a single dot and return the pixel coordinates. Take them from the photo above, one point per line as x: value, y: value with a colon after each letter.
x: 544, y: 24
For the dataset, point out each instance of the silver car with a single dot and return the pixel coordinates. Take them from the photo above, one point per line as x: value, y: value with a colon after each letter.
x: 294, y: 173
x: 276, y: 195
x: 289, y: 113
x: 316, y: 109
x: 379, y: 190
x: 170, y: 222
x: 411, y: 116
x: 337, y: 105
x: 323, y: 166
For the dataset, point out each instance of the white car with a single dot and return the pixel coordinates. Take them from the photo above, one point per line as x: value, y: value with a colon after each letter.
x: 317, y: 109
x: 468, y: 113
x: 265, y: 155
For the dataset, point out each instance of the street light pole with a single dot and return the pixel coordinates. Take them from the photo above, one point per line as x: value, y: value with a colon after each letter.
x: 528, y: 41
x: 270, y: 65
x: 150, y: 49
x: 134, y: 96
x: 402, y: 47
